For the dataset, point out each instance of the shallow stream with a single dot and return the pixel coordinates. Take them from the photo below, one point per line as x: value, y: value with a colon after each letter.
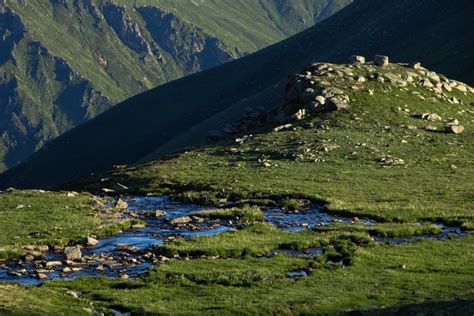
x: 129, y: 254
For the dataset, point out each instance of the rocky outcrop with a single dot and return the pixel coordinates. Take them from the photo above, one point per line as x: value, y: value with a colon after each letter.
x: 323, y: 87
x: 66, y: 100
x: 12, y: 31
x: 126, y: 29
x: 188, y: 45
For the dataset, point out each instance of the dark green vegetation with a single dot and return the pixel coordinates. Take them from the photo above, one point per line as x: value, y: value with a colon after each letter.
x: 423, y: 276
x: 64, y: 62
x: 51, y: 218
x: 180, y: 114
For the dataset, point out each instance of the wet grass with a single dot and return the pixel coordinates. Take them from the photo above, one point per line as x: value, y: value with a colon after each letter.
x: 245, y: 214
x: 50, y: 218
x: 384, y: 229
x: 379, y: 277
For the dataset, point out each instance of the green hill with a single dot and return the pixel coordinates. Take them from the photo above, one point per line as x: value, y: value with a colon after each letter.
x: 180, y: 114
x: 389, y: 148
x: 64, y: 62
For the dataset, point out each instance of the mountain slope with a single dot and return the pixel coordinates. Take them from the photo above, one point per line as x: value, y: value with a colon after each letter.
x: 181, y: 113
x: 64, y: 62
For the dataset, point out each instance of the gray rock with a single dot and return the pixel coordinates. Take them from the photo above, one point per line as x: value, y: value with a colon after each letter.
x: 91, y: 242
x: 180, y: 220
x: 454, y: 129
x: 157, y: 213
x: 381, y: 60
x: 434, y: 77
x: 431, y: 117
x: 298, y: 116
x: 320, y: 99
x: 335, y: 104
x: 355, y: 59
x: 52, y: 264
x: 121, y: 205
x: 416, y: 65
x: 426, y: 83
x: 461, y: 88
x: 73, y: 253
x: 282, y: 127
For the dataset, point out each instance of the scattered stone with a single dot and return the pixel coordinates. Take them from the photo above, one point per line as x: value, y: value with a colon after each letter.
x: 391, y: 161
x: 416, y: 65
x: 299, y: 115
x: 453, y: 100
x: 454, y: 129
x: 282, y: 127
x: 91, y: 242
x: 124, y: 277
x: 29, y: 257
x: 355, y: 59
x: 72, y: 293
x: 73, y: 253
x: 157, y: 213
x: 461, y: 88
x: 431, y: 128
x: 181, y: 220
x: 430, y: 117
x: 336, y: 105
x: 381, y: 60
x: 138, y: 226
x: 42, y: 276
x: 320, y: 99
x: 71, y: 194
x: 121, y: 247
x: 121, y: 205
x: 67, y: 270
x: 52, y: 264
x: 426, y: 83
x: 119, y: 187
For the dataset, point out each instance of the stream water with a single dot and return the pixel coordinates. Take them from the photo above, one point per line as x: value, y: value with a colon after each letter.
x: 128, y: 255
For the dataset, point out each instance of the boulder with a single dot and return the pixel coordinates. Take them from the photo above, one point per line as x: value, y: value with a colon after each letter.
x: 320, y: 99
x: 121, y: 205
x: 431, y: 117
x: 381, y: 60
x: 73, y: 253
x: 91, y: 242
x: 180, y: 220
x: 454, y: 129
x: 416, y: 65
x: 298, y: 116
x: 356, y: 59
x: 52, y: 264
x: 335, y: 104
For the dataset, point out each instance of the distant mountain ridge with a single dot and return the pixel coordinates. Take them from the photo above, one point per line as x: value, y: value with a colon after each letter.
x: 180, y: 114
x: 62, y: 62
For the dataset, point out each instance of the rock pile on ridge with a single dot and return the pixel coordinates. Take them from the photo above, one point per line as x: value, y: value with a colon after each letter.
x: 324, y: 87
